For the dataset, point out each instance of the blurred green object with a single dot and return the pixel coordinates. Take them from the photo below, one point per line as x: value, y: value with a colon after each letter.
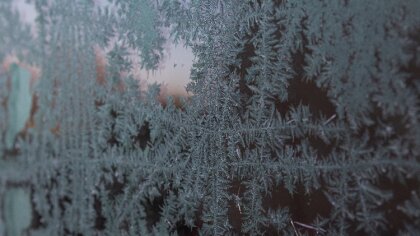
x: 19, y: 103
x: 17, y: 211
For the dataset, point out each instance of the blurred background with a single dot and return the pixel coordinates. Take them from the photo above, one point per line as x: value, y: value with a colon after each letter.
x: 173, y: 71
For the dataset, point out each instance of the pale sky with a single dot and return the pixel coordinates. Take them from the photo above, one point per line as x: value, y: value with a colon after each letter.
x: 174, y: 70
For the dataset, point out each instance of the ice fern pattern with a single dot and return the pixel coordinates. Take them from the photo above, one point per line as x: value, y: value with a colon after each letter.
x: 304, y: 119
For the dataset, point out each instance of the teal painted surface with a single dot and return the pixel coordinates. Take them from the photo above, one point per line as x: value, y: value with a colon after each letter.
x: 17, y: 211
x: 19, y: 103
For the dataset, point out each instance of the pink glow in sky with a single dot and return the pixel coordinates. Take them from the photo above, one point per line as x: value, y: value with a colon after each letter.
x: 173, y: 72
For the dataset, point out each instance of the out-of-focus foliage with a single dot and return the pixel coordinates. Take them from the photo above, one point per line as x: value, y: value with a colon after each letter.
x: 304, y: 119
